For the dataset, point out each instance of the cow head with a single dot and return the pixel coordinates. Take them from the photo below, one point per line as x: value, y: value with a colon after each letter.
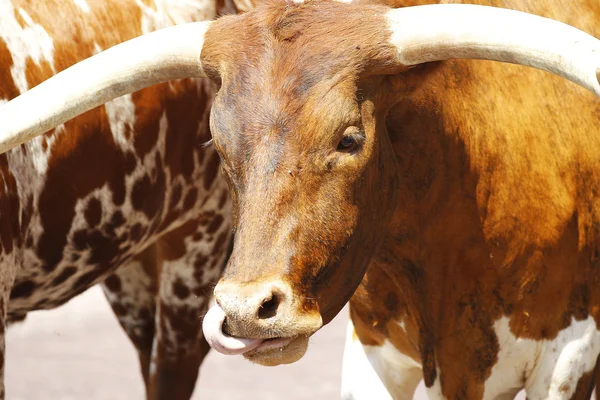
x: 301, y: 132
x: 299, y: 122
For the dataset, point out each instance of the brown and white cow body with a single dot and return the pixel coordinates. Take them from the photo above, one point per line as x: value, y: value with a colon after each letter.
x: 471, y: 190
x: 487, y: 282
x: 129, y: 185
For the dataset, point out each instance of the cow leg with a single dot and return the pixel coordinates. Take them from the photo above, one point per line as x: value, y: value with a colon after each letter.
x: 192, y: 258
x: 376, y: 372
x: 567, y: 365
x: 131, y: 292
x: 159, y: 299
x: 359, y: 379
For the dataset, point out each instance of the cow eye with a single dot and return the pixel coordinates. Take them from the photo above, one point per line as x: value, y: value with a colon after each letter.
x: 348, y: 144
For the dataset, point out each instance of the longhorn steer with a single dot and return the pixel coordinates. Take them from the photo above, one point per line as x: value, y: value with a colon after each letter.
x: 464, y: 195
x: 128, y: 185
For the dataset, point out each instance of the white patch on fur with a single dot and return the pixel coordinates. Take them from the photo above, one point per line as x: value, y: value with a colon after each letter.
x: 24, y: 42
x: 171, y: 12
x: 97, y: 48
x: 121, y: 117
x: 182, y: 271
x: 402, y: 325
x: 377, y: 372
x: 515, y: 362
x: 209, y: 200
x: 182, y: 11
x: 359, y: 379
x: 137, y: 284
x: 546, y: 368
x: 173, y: 271
x: 26, y: 166
x: 29, y: 164
x: 435, y: 391
x: 85, y: 7
x: 398, y: 372
x: 36, y: 152
x: 154, y: 355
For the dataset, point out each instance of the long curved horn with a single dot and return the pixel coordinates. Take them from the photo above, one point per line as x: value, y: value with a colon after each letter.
x: 450, y: 31
x: 160, y: 56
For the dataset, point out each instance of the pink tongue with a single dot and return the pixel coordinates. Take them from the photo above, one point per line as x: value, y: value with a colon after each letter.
x: 213, y: 332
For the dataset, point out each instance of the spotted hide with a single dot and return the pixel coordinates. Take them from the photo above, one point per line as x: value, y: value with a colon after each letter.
x: 129, y: 193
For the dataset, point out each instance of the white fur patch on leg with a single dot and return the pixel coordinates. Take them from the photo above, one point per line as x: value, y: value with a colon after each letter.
x: 548, y: 369
x: 515, y: 362
x: 121, y: 117
x: 28, y: 42
x: 377, y: 372
x: 565, y: 360
x: 359, y: 379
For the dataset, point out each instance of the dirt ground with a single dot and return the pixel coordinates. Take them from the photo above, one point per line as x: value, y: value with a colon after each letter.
x: 78, y: 351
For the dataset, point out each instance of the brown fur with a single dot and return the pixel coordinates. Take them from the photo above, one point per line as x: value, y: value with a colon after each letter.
x: 475, y: 193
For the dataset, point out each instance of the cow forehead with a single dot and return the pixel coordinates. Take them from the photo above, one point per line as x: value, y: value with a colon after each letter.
x: 281, y: 113
x: 296, y: 47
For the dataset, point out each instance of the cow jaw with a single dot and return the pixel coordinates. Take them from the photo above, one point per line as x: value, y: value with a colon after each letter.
x: 278, y: 353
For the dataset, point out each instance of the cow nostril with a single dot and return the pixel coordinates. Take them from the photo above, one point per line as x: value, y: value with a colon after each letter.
x: 268, y: 308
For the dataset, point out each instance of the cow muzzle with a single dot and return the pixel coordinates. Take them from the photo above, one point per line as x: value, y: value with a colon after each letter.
x: 262, y: 321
